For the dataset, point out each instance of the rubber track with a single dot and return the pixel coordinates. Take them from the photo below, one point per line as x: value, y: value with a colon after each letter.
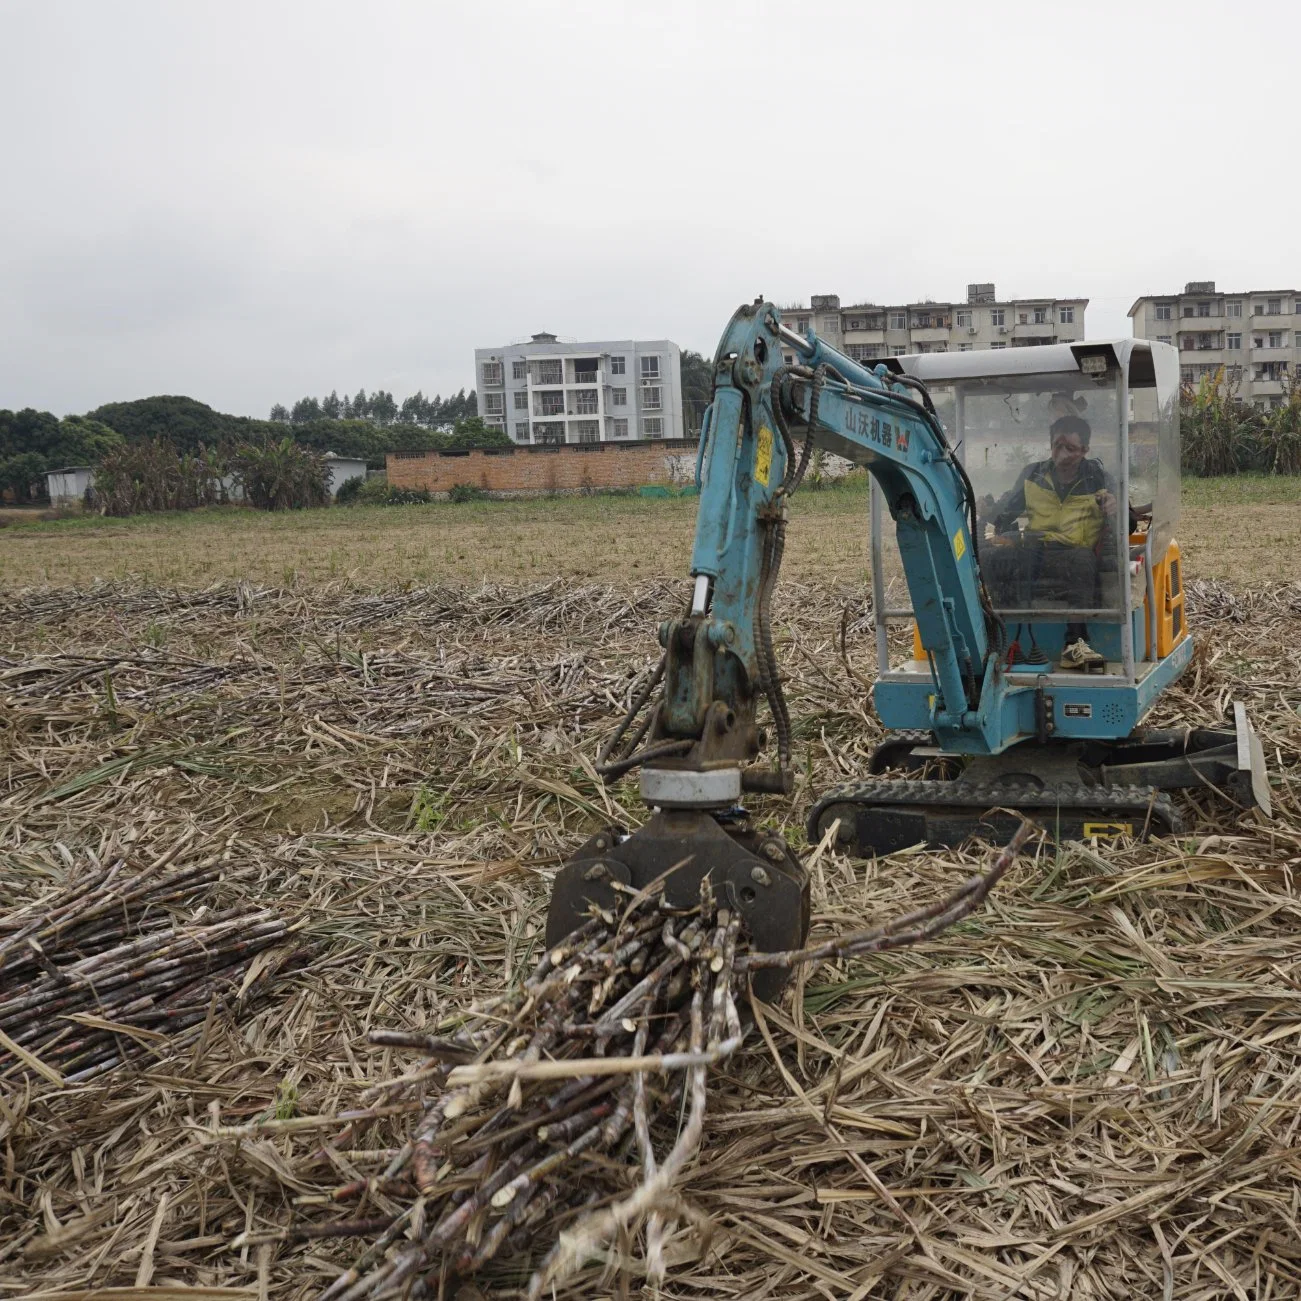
x: 1141, y: 804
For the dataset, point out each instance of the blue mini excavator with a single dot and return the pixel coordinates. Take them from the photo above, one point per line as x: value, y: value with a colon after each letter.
x: 983, y: 715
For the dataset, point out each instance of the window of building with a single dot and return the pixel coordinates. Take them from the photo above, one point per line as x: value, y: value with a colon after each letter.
x: 1041, y: 316
x: 897, y: 350
x: 584, y: 376
x: 587, y: 431
x: 621, y: 429
x: 855, y: 322
x: 522, y: 400
x: 550, y: 404
x: 1186, y: 374
x: 1273, y: 307
x: 858, y: 351
x: 549, y: 434
x: 830, y: 325
x: 964, y: 347
x: 964, y: 319
x: 1164, y: 311
x: 650, y: 368
x: 898, y: 320
x: 652, y: 426
x: 1257, y: 340
x: 1233, y: 340
x: 492, y: 372
x: 1258, y: 309
x: 522, y: 431
x: 650, y: 397
x: 1277, y: 339
x: 519, y: 369
x: 618, y: 397
x: 1164, y: 338
x: 494, y: 404
x: 1188, y: 309
x: 1066, y: 316
x: 1203, y: 309
x: 1233, y: 309
x: 998, y: 345
x: 585, y: 403
x: 550, y: 372
x: 997, y: 316
x: 616, y: 365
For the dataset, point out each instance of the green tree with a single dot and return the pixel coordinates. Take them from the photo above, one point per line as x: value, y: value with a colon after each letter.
x: 280, y: 476
x: 471, y: 432
x: 280, y: 414
x: 184, y: 421
x: 697, y: 389
x: 24, y: 475
x: 382, y: 409
x: 33, y: 442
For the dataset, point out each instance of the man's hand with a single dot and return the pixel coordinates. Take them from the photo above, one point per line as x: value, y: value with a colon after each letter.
x: 1106, y: 501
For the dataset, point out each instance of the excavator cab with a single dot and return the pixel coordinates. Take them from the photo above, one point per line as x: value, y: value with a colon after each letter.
x: 1074, y: 525
x: 1093, y: 558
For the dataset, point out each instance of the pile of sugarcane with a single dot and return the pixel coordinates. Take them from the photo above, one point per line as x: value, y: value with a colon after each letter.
x: 545, y: 1100
x: 102, y: 969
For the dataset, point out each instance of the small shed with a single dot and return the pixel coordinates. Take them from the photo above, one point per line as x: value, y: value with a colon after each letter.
x: 341, y: 469
x: 68, y: 486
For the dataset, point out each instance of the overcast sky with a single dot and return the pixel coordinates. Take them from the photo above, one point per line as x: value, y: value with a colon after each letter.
x: 249, y: 202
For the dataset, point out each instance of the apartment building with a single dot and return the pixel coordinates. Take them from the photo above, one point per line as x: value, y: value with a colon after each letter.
x: 866, y: 331
x: 1253, y: 335
x: 551, y: 390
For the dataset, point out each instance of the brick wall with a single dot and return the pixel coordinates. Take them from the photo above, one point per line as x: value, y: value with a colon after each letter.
x: 528, y: 470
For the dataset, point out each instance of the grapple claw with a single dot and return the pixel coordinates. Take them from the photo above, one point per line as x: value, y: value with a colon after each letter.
x: 754, y: 870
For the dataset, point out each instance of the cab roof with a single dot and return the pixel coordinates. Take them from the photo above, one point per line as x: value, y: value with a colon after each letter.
x: 1134, y: 355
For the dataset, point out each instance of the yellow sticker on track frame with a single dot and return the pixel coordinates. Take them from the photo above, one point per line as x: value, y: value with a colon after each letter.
x: 763, y: 456
x: 1108, y: 828
x: 959, y: 545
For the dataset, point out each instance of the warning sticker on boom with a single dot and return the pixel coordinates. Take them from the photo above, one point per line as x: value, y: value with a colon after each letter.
x: 763, y: 456
x: 959, y: 545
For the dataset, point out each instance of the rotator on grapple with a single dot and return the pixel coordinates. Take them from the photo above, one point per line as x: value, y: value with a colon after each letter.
x: 980, y: 723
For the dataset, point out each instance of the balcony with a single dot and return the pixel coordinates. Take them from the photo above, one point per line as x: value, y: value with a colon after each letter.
x: 1032, y: 330
x: 586, y: 377
x: 869, y: 337
x: 930, y: 334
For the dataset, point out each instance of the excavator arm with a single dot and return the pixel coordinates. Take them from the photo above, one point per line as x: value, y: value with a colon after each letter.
x: 699, y: 747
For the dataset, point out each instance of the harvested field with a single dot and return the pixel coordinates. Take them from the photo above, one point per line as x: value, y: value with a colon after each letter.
x: 1235, y: 529
x: 1090, y: 1088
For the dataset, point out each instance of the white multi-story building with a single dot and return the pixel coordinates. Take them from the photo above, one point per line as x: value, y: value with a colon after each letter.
x: 866, y: 331
x: 1253, y: 336
x: 551, y: 391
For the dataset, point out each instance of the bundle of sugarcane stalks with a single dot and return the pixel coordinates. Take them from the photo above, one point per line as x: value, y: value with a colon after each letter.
x: 546, y: 1099
x: 103, y: 968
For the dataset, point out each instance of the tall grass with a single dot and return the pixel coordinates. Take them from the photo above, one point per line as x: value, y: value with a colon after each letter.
x: 152, y: 475
x: 1221, y: 434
